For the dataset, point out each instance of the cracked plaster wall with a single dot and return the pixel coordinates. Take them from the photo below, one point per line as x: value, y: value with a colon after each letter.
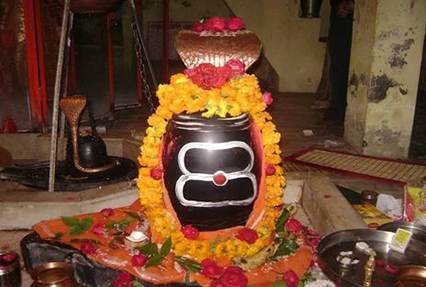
x: 384, y: 74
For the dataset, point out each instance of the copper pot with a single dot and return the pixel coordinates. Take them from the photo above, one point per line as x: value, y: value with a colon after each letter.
x: 411, y: 276
x: 93, y: 6
x: 53, y: 274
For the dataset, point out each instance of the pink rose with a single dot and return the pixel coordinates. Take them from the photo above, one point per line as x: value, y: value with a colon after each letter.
x: 235, y: 24
x: 190, y: 72
x: 190, y: 232
x: 124, y: 279
x: 8, y: 258
x: 216, y: 24
x: 293, y: 225
x: 291, y: 279
x: 391, y: 269
x: 98, y: 229
x: 248, y: 235
x: 270, y: 169
x: 139, y: 260
x: 236, y: 66
x: 107, y: 212
x: 233, y: 277
x: 267, y: 98
x: 156, y: 173
x: 87, y: 247
x: 199, y: 27
x: 211, y: 269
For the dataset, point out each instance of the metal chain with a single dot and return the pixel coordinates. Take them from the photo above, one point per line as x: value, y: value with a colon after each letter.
x: 142, y: 70
x: 139, y: 54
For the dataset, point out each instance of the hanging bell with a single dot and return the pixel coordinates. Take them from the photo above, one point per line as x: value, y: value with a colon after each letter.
x: 310, y: 8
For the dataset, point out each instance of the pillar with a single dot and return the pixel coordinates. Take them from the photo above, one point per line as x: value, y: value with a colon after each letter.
x: 387, y: 43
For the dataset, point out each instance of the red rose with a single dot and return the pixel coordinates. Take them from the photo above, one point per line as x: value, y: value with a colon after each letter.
x: 270, y: 170
x: 190, y: 232
x: 233, y: 277
x: 235, y: 24
x: 211, y: 269
x: 156, y: 173
x: 216, y: 24
x: 87, y: 247
x: 98, y: 229
x: 107, y: 212
x: 248, y: 235
x: 314, y: 241
x: 139, y: 260
x: 236, y: 66
x: 293, y: 225
x: 267, y: 98
x: 291, y: 279
x: 199, y: 27
x: 124, y: 279
x: 216, y: 283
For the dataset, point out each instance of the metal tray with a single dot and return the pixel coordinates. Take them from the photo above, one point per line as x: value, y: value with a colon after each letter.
x: 419, y: 231
x: 331, y: 246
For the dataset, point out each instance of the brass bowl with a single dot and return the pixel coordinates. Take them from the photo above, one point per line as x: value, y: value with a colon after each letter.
x: 53, y: 274
x: 411, y: 276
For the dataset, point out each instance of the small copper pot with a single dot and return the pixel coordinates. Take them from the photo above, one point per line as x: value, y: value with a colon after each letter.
x: 411, y: 276
x: 53, y: 274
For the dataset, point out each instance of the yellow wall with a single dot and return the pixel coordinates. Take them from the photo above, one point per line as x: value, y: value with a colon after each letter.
x: 290, y: 43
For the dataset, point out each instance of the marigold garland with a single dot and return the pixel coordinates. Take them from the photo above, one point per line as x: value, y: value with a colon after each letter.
x: 239, y: 95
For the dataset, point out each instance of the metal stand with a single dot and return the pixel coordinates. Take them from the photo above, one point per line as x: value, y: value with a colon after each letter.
x: 67, y: 19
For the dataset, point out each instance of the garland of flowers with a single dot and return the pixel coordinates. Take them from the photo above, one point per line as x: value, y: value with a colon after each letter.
x: 198, y: 91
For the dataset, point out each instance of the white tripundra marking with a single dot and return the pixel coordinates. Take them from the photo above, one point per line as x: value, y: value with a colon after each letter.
x: 188, y: 176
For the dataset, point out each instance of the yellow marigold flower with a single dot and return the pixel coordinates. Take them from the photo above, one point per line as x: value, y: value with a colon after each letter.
x: 273, y: 159
x: 179, y: 79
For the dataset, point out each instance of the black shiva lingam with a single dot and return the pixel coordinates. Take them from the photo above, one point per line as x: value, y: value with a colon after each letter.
x: 87, y: 164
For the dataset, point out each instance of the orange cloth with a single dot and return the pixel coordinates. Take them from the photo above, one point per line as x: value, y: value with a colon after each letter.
x: 120, y: 258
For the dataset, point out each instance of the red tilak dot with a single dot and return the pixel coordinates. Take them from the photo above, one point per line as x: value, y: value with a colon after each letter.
x: 219, y: 179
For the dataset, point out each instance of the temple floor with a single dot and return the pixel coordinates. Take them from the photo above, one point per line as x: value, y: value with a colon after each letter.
x: 291, y: 114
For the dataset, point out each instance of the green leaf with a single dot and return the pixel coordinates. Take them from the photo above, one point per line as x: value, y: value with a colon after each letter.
x: 70, y: 221
x: 134, y: 215
x: 286, y: 247
x: 167, y: 246
x: 189, y: 264
x: 80, y: 240
x: 111, y: 224
x: 75, y: 230
x: 137, y: 284
x: 124, y: 223
x: 86, y: 223
x: 150, y: 249
x: 58, y: 236
x: 155, y: 260
x: 279, y: 284
x: 285, y: 215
